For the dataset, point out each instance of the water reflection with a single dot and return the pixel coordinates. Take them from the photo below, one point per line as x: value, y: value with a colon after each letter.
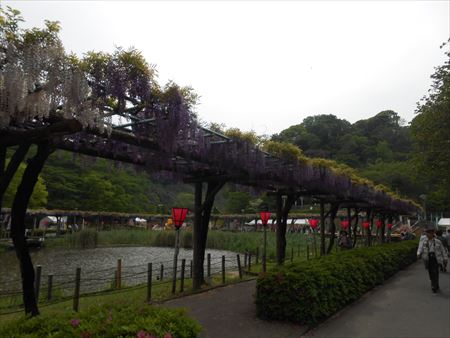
x: 98, y: 266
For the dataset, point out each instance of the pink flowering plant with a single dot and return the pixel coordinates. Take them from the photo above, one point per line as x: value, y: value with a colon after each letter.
x: 117, y: 320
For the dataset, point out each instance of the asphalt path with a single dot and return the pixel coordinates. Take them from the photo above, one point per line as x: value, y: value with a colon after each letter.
x: 403, y: 306
x: 230, y: 312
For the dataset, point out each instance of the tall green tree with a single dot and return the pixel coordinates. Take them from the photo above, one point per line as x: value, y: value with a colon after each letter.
x: 237, y: 201
x: 431, y: 134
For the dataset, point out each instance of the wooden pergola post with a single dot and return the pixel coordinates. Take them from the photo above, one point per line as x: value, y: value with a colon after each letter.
x: 333, y: 212
x: 383, y: 228
x: 202, y: 215
x: 349, y: 217
x: 282, y: 215
x: 322, y: 227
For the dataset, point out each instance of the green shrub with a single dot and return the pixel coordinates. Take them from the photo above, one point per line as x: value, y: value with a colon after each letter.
x: 311, y: 291
x: 119, y: 320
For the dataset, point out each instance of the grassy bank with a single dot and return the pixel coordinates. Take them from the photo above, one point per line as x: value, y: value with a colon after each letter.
x: 161, y: 291
x: 221, y: 240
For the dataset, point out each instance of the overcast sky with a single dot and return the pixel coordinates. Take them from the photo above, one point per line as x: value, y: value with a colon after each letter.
x: 267, y: 65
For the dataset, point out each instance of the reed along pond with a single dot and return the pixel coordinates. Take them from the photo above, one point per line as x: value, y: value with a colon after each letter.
x: 98, y: 266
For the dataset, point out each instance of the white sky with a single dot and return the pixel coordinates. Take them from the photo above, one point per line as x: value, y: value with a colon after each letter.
x: 268, y: 65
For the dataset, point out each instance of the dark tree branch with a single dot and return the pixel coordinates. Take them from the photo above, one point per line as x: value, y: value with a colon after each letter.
x: 11, y: 169
x: 18, y: 212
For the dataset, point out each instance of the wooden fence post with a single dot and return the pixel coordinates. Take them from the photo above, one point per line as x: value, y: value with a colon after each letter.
x: 119, y: 273
x: 190, y: 269
x: 161, y: 273
x: 239, y: 266
x: 149, y: 282
x: 183, y: 266
x: 292, y: 254
x: 249, y: 261
x: 49, y: 287
x: 208, y: 265
x: 223, y: 269
x: 38, y: 282
x: 76, y: 294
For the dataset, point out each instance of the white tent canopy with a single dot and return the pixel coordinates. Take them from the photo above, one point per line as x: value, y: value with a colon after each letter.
x: 444, y: 222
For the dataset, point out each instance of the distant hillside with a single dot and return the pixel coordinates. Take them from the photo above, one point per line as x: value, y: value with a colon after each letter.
x: 379, y: 147
x: 379, y: 138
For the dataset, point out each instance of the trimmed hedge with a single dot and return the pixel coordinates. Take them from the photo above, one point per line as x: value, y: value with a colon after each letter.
x: 311, y: 291
x: 119, y: 320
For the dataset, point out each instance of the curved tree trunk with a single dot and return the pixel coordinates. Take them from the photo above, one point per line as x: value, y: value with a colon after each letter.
x: 334, y: 209
x: 282, y: 215
x: 18, y: 212
x: 202, y: 214
x: 8, y: 174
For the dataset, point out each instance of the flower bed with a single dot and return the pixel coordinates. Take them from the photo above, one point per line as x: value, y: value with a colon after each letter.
x: 311, y: 291
x: 119, y: 320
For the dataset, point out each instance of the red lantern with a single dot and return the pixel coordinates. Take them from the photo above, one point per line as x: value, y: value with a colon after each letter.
x: 178, y: 216
x: 389, y: 225
x: 265, y: 216
x: 366, y: 224
x: 379, y: 223
x: 345, y: 224
x: 313, y: 223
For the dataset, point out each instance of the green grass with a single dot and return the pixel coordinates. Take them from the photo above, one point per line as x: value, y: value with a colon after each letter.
x: 161, y: 291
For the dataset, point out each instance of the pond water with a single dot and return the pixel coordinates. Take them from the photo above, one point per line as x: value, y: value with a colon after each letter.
x: 98, y: 266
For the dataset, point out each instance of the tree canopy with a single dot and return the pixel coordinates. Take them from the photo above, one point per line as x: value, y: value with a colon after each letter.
x: 431, y: 134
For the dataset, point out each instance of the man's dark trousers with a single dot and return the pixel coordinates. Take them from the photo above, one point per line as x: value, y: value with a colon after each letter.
x: 433, y: 271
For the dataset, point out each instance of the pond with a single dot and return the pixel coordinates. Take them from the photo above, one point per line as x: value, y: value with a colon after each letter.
x: 98, y: 266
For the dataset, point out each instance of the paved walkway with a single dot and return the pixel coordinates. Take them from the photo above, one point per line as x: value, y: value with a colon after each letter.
x: 229, y: 312
x: 403, y: 307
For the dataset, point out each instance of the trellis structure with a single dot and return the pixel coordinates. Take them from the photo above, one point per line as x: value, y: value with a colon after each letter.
x: 110, y: 106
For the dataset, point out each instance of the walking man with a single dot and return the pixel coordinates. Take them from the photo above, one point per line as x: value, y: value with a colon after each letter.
x: 432, y: 252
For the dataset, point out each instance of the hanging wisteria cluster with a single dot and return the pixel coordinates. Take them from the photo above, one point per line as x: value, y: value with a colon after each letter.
x: 39, y: 81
